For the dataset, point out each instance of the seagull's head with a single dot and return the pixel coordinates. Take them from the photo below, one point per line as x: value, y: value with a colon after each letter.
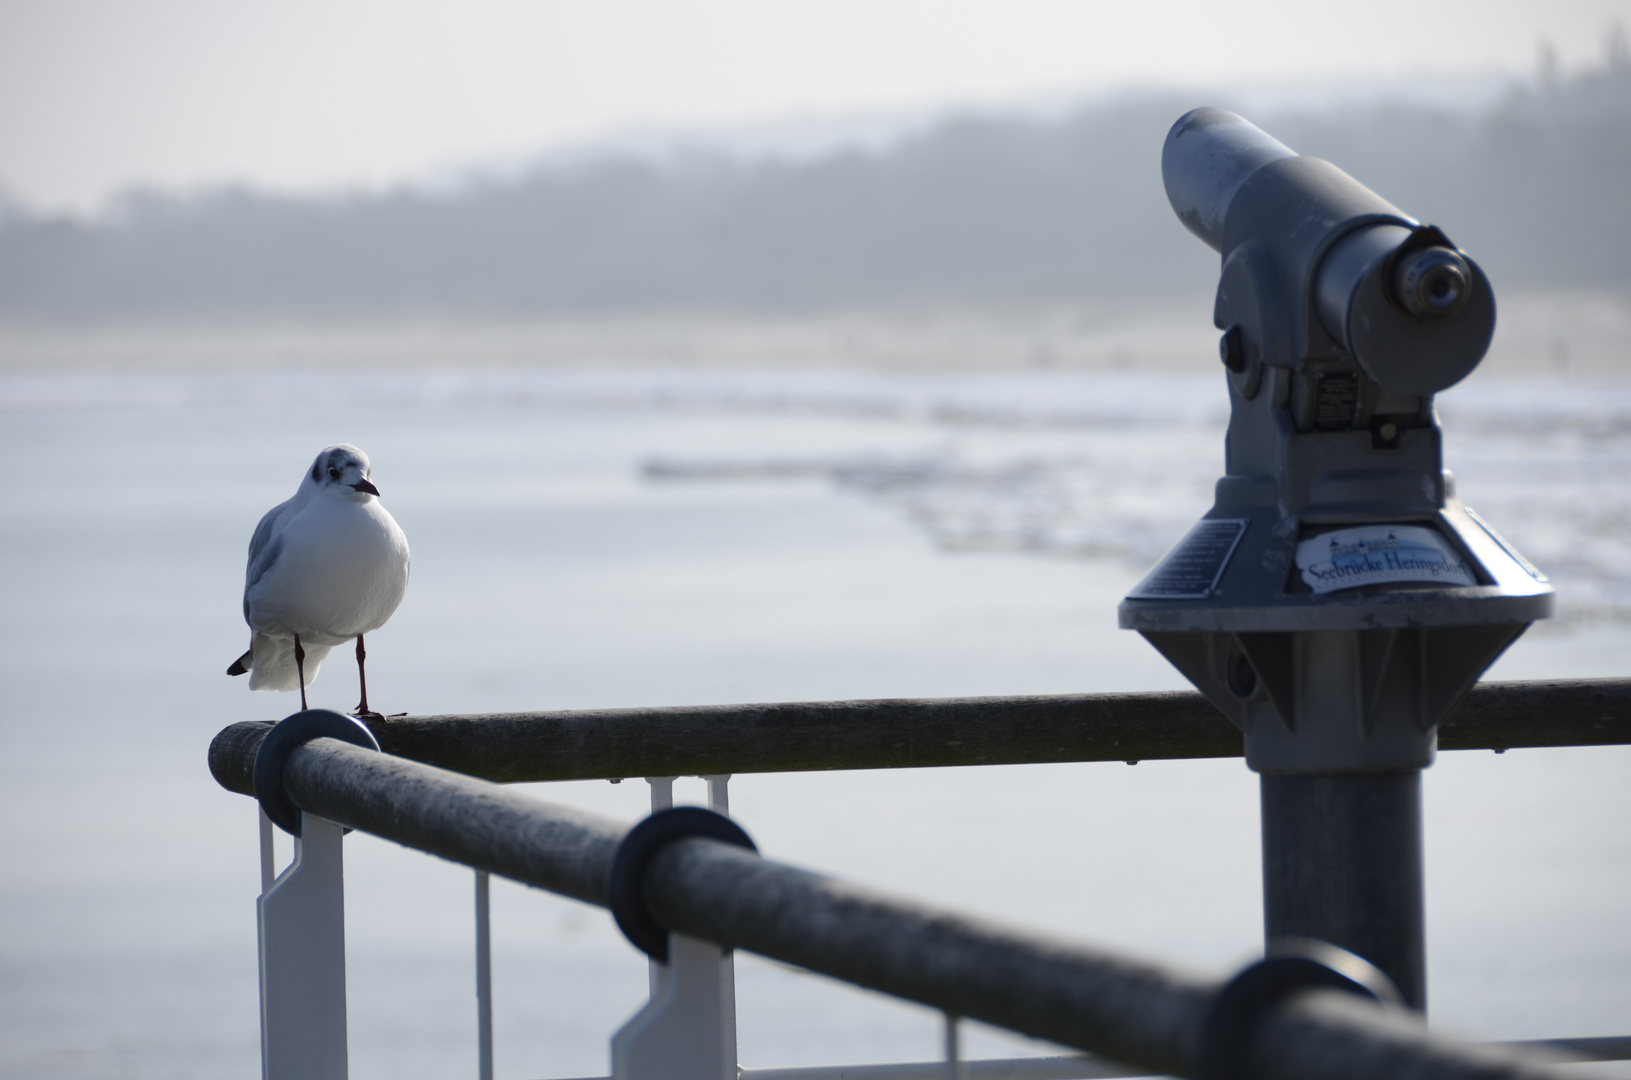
x: 342, y: 473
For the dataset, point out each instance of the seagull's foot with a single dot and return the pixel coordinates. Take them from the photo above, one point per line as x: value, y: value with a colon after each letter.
x: 367, y: 714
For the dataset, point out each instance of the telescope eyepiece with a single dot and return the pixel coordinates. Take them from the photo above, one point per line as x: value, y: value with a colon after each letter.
x: 1432, y: 282
x: 1415, y: 313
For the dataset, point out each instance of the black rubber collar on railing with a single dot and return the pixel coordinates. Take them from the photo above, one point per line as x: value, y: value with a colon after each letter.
x: 1292, y: 966
x: 626, y: 885
x: 287, y: 734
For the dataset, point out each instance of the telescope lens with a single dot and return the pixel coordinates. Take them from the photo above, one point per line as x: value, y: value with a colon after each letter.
x: 1442, y: 286
x: 1431, y: 283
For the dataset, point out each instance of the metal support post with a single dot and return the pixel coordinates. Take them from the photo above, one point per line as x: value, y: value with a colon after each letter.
x: 954, y: 1053
x: 268, y: 853
x: 302, y: 959
x: 662, y: 798
x: 687, y: 1031
x: 719, y: 793
x: 679, y: 1035
x: 719, y: 801
x: 484, y: 978
x: 1342, y: 862
x: 662, y: 792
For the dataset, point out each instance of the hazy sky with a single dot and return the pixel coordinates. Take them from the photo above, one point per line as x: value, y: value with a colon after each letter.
x: 96, y: 95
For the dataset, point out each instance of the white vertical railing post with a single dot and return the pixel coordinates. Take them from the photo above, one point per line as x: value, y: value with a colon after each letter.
x: 687, y: 1031
x: 302, y: 958
x: 484, y: 978
x: 719, y: 801
x: 662, y: 798
x: 662, y: 792
x: 719, y: 793
x: 954, y: 1050
x: 268, y: 856
x: 678, y: 1035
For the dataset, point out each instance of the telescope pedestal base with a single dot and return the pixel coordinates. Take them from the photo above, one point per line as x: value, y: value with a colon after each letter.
x: 1342, y: 862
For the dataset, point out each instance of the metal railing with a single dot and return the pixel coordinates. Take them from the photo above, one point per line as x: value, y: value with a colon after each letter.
x: 1308, y: 1015
x: 611, y: 744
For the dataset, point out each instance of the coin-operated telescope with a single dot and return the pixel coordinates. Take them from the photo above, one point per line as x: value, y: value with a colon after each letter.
x: 1337, y: 600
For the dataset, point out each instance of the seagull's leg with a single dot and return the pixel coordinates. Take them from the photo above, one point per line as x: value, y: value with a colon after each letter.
x: 363, y: 712
x: 300, y: 670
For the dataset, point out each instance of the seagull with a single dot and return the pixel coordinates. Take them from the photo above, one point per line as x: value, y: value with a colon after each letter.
x: 326, y: 566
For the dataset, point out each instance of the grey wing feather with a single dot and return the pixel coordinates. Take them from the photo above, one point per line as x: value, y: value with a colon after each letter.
x: 264, y: 548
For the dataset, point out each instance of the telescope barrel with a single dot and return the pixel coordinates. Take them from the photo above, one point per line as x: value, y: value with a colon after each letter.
x: 1208, y: 157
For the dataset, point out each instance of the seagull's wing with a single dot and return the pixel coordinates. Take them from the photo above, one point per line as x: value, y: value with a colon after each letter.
x: 259, y: 544
x: 265, y: 547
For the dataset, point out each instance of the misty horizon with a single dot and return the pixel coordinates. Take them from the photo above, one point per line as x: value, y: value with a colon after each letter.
x: 806, y: 137
x: 967, y: 208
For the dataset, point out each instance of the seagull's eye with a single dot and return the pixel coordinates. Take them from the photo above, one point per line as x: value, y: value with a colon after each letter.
x: 333, y: 473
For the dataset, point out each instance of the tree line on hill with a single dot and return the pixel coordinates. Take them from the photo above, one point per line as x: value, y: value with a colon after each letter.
x: 974, y: 210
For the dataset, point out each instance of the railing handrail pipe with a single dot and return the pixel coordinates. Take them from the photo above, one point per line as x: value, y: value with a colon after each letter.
x: 610, y: 744
x: 1134, y: 1011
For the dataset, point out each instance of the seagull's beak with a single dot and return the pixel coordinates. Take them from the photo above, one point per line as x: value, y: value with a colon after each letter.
x: 365, y: 487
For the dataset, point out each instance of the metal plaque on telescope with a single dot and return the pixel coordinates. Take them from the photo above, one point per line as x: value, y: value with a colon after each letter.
x: 1191, y: 570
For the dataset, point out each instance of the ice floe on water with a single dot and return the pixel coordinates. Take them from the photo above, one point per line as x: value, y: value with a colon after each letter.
x: 1549, y: 466
x: 1132, y: 460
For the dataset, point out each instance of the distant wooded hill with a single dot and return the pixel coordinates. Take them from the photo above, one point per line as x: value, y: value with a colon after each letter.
x: 975, y: 210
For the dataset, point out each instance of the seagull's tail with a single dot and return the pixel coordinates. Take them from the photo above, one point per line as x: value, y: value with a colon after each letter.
x: 271, y: 666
